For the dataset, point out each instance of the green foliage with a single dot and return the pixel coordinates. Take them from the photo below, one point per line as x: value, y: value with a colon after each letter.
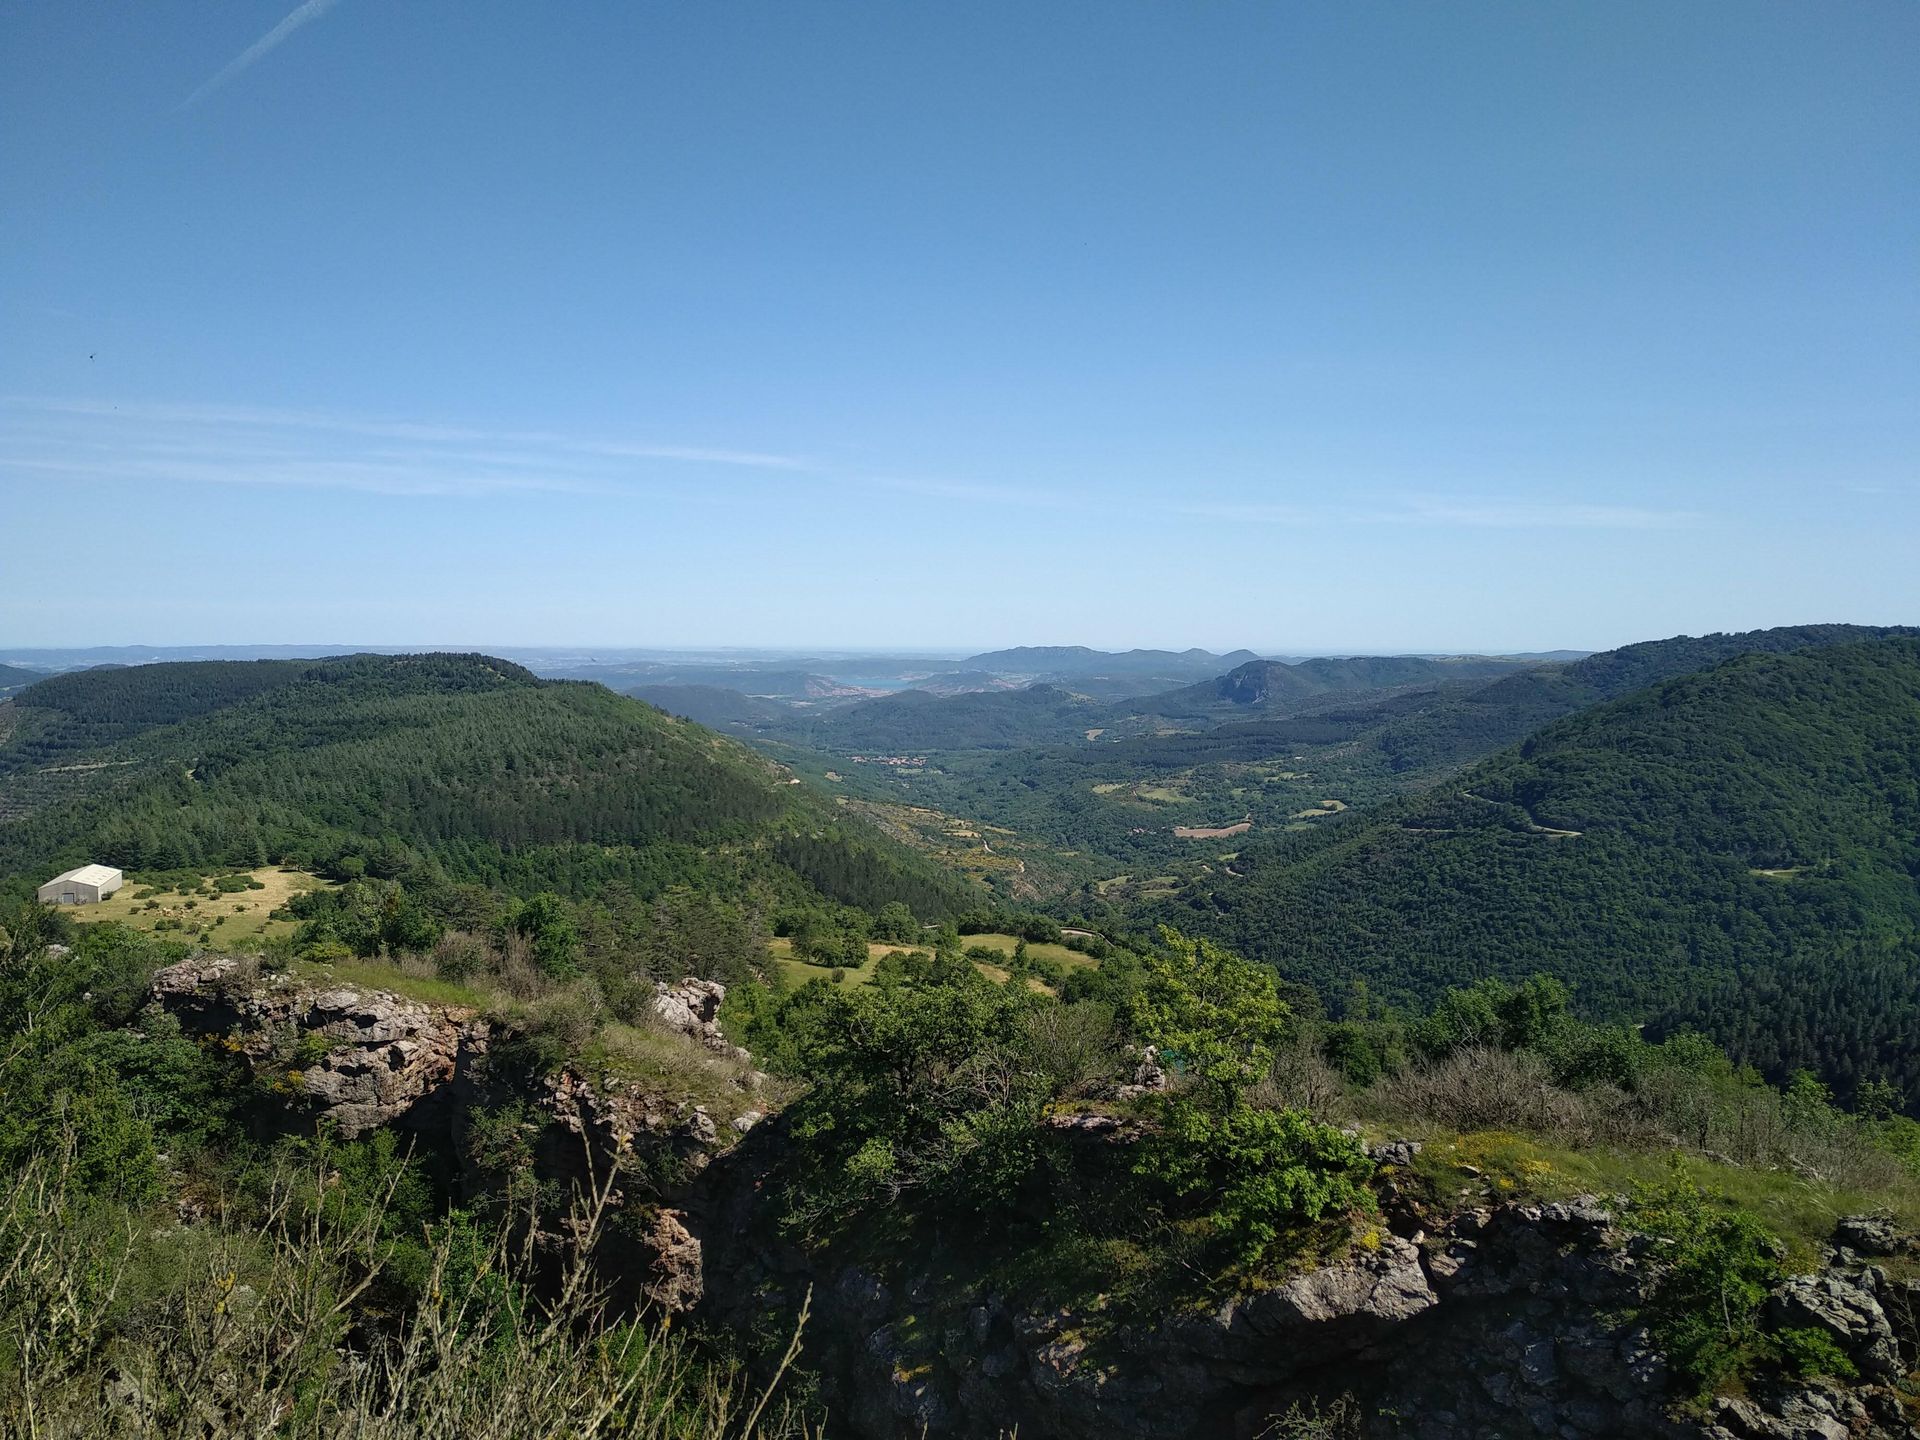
x: 364, y: 917
x: 294, y: 1323
x: 1259, y: 1174
x: 914, y: 1086
x: 72, y: 1082
x: 546, y: 924
x: 1717, y: 1267
x: 1214, y: 1015
x: 433, y: 771
x: 1810, y: 1354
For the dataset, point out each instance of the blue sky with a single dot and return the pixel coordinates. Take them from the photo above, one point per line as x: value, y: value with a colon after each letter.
x: 1289, y: 325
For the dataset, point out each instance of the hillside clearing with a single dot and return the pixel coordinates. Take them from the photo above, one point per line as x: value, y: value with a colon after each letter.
x: 218, y: 921
x: 1212, y: 832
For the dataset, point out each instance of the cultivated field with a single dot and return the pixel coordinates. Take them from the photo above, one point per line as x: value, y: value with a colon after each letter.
x: 1211, y: 832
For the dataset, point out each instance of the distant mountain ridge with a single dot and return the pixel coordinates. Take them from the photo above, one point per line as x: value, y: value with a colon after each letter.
x: 1078, y: 660
x: 975, y: 720
x: 13, y: 677
x: 1271, y: 682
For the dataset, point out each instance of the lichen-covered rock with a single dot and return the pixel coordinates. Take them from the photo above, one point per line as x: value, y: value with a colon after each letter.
x: 357, y: 1058
x: 1872, y: 1235
x: 1394, y: 1152
x: 692, y: 1008
x: 1339, y: 1309
x: 1846, y: 1309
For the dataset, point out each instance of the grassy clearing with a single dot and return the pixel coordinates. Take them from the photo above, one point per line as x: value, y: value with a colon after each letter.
x: 1126, y: 887
x: 1505, y: 1165
x: 220, y: 922
x: 672, y: 1068
x: 1314, y: 812
x: 796, y: 972
x: 1140, y: 792
x: 782, y: 949
x: 1212, y: 832
x: 1045, y: 950
x: 378, y: 975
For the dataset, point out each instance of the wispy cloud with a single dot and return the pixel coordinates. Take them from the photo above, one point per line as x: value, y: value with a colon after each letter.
x: 1435, y: 512
x: 238, y: 445
x: 1538, y: 515
x: 303, y: 14
x: 1018, y: 497
x: 321, y: 422
x: 151, y: 443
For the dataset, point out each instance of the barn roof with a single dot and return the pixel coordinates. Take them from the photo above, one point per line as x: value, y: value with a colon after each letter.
x: 88, y: 875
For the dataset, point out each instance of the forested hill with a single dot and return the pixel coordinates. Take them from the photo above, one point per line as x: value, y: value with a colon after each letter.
x: 713, y: 705
x: 1068, y: 660
x: 12, y: 678
x: 1465, y: 725
x: 981, y: 720
x: 463, y: 766
x: 1736, y: 849
x: 1274, y: 683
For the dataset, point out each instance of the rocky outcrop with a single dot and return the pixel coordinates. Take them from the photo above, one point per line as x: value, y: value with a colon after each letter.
x: 1846, y: 1309
x: 692, y: 1008
x: 1509, y: 1320
x: 358, y: 1058
x: 672, y: 1255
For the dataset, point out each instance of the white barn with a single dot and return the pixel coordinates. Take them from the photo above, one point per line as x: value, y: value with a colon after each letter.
x: 81, y: 887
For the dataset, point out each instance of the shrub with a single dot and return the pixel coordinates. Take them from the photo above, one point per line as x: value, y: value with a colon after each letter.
x: 562, y: 1024
x: 1260, y: 1173
x: 1717, y: 1266
x: 1488, y: 1089
x: 1078, y: 1047
x: 459, y: 957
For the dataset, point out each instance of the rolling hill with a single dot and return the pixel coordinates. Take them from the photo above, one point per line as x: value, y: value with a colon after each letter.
x: 975, y: 720
x: 13, y: 677
x: 1273, y: 684
x: 714, y: 706
x: 1109, y: 675
x: 464, y: 767
x: 1734, y: 849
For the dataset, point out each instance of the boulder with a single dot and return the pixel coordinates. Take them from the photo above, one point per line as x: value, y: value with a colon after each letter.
x: 1874, y: 1235
x: 1845, y: 1308
x: 692, y: 1008
x: 1393, y: 1152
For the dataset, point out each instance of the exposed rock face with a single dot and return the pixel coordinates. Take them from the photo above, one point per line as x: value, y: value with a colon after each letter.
x: 1149, y: 1076
x: 692, y: 1008
x: 1874, y: 1235
x: 1845, y: 1308
x: 360, y: 1058
x: 599, y: 1126
x: 1506, y: 1323
x: 673, y: 1254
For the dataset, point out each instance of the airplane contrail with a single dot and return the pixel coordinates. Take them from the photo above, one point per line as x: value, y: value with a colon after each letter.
x: 303, y: 14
